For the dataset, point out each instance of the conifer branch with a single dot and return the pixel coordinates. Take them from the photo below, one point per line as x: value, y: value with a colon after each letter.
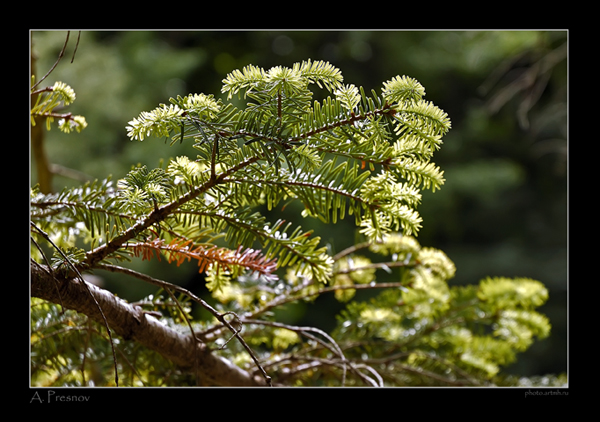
x: 156, y: 216
x: 350, y: 154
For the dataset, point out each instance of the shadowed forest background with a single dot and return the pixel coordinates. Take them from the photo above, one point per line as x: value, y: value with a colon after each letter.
x: 502, y: 210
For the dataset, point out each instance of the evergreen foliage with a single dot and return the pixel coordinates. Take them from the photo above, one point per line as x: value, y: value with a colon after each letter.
x: 351, y: 155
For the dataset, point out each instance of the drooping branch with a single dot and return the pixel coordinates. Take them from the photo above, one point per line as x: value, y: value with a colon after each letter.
x: 132, y: 323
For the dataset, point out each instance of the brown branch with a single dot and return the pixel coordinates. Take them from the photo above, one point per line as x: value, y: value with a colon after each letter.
x: 131, y: 323
x: 66, y: 116
x: 39, y: 91
x: 180, y: 250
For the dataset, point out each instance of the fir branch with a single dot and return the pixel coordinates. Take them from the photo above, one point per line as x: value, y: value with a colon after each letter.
x: 48, y: 99
x: 93, y: 203
x: 349, y: 154
x: 159, y: 214
x: 348, y: 96
x: 423, y: 118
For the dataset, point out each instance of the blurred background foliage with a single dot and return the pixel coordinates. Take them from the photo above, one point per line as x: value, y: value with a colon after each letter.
x: 503, y: 209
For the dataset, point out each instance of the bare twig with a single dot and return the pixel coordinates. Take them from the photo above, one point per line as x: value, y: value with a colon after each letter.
x: 352, y: 249
x: 60, y: 56
x: 76, y: 46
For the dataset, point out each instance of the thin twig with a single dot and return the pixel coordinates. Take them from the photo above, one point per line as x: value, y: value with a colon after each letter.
x: 60, y: 56
x: 352, y: 249
x: 239, y: 330
x: 313, y: 362
x: 39, y: 91
x: 76, y: 46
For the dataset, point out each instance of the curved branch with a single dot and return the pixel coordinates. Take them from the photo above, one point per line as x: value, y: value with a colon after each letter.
x: 132, y: 324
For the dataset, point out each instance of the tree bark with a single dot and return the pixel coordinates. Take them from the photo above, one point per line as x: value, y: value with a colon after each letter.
x: 131, y: 323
